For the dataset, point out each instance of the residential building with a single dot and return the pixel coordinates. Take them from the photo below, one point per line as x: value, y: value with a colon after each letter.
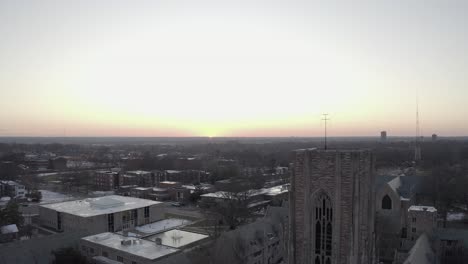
x: 139, y: 178
x: 58, y: 163
x: 106, y: 180
x: 12, y: 189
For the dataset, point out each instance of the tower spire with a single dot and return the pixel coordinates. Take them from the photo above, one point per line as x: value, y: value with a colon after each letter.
x: 325, y: 119
x: 417, y: 146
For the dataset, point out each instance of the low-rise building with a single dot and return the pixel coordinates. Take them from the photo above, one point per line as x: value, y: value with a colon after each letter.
x: 139, y: 178
x: 12, y: 189
x: 108, y: 213
x: 130, y: 250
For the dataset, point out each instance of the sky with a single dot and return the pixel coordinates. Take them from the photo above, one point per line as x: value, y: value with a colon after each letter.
x: 232, y: 68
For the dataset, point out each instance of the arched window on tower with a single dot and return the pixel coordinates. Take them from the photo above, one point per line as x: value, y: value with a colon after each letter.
x: 386, y: 202
x: 323, y: 229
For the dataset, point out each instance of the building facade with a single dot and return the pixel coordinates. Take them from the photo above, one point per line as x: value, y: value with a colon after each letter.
x: 332, y: 207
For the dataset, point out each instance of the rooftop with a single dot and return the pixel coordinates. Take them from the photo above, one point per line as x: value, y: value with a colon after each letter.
x: 9, y: 229
x: 138, y: 247
x: 138, y: 172
x: 99, y: 206
x: 177, y: 238
x: 169, y: 182
x: 422, y: 208
x: 162, y: 225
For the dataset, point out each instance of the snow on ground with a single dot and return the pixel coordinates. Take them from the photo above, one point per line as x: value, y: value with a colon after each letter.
x: 162, y: 225
x: 455, y: 216
x: 54, y: 197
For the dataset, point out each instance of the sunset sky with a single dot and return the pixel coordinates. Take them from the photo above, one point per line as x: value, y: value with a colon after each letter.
x: 232, y: 68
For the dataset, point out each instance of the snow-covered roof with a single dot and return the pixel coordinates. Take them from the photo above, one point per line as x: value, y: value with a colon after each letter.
x: 264, y: 191
x: 422, y: 208
x: 169, y: 182
x: 177, y: 238
x: 173, y: 171
x: 138, y: 172
x: 138, y: 247
x: 9, y: 229
x: 162, y: 225
x: 101, y: 205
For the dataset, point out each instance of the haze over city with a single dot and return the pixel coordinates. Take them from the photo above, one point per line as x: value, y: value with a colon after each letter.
x: 232, y: 68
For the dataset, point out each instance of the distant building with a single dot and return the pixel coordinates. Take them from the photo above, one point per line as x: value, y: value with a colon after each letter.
x: 332, y: 207
x: 186, y: 176
x: 451, y: 245
x: 139, y: 178
x: 59, y: 163
x: 12, y: 189
x: 383, y: 136
x: 108, y: 213
x: 255, y: 199
x: 434, y: 137
x: 106, y: 180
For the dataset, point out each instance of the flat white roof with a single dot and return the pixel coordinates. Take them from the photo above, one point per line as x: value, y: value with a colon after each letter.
x: 177, y: 238
x: 162, y: 225
x: 169, y: 182
x: 139, y: 247
x: 101, y: 205
x: 422, y: 208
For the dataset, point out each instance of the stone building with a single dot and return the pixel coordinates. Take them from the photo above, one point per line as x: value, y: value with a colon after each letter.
x: 394, y: 196
x: 332, y: 207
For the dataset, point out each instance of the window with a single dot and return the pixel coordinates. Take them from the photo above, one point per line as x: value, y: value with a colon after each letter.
x: 413, y: 229
x: 59, y: 221
x: 119, y: 259
x: 134, y: 262
x: 146, y: 212
x: 91, y: 250
x: 323, y: 229
x: 110, y: 222
x: 105, y: 254
x: 386, y: 202
x: 414, y: 219
x: 404, y: 232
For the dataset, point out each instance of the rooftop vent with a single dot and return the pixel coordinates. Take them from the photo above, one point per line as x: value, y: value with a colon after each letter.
x: 126, y: 242
x: 158, y: 241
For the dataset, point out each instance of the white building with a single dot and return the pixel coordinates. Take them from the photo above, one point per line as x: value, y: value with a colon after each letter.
x: 12, y: 189
x: 108, y: 247
x: 108, y: 213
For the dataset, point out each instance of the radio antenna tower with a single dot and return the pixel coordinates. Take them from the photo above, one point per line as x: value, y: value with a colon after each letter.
x: 325, y: 119
x: 417, y: 146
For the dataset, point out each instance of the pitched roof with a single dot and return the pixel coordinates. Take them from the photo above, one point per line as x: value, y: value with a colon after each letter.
x: 421, y: 252
x: 405, y: 186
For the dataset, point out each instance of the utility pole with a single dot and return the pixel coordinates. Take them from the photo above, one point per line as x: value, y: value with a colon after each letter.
x: 325, y: 119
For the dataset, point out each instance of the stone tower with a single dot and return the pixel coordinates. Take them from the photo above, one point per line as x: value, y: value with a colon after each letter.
x: 332, y: 207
